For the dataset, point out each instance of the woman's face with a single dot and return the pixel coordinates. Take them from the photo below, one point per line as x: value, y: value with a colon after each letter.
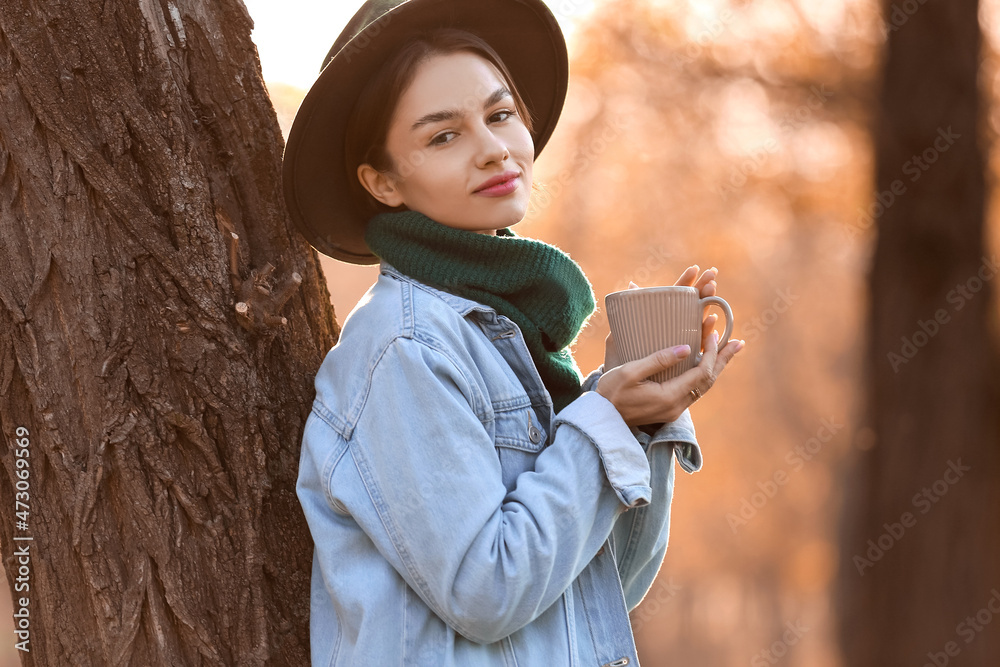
x: 454, y: 131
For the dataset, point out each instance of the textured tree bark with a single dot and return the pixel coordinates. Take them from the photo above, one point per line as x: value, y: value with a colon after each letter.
x: 158, y: 368
x: 920, y: 556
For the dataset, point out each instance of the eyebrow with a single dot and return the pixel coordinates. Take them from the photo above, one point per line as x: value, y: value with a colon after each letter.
x: 451, y: 114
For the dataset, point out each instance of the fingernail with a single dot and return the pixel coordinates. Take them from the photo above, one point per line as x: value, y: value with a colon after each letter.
x: 739, y: 345
x: 715, y: 334
x: 682, y: 350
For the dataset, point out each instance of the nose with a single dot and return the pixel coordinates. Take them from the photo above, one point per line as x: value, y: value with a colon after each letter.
x: 490, y: 148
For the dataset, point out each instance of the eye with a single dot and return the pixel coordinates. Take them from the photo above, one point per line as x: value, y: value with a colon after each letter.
x: 505, y: 113
x: 440, y: 139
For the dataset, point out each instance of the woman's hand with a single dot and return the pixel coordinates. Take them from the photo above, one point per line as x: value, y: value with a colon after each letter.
x: 642, y: 401
x: 706, y: 286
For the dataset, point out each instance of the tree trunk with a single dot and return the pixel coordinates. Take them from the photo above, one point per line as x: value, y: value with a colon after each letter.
x: 920, y: 555
x: 154, y: 394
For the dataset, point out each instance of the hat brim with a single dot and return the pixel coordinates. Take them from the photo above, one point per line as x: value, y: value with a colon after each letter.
x: 525, y: 35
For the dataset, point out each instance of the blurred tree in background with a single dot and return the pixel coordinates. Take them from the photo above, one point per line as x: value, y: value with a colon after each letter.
x: 919, y: 563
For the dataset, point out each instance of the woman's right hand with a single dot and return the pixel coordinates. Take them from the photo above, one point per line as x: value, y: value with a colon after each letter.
x: 640, y: 400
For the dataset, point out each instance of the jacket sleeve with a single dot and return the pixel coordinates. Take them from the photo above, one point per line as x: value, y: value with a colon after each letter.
x: 641, y: 534
x: 486, y: 561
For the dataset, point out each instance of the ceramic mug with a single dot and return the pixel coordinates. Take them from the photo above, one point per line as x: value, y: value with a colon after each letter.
x: 646, y: 319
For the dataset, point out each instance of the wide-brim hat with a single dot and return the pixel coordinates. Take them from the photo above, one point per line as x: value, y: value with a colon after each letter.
x: 525, y: 35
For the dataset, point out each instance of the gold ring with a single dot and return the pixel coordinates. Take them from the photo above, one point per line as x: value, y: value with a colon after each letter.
x: 695, y: 393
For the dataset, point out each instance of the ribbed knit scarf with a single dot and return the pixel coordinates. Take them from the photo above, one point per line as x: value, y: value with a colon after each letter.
x: 535, y: 284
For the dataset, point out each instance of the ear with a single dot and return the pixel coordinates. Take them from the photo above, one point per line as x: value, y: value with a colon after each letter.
x: 380, y: 185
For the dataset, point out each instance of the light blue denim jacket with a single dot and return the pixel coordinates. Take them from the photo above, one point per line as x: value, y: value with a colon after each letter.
x: 457, y: 521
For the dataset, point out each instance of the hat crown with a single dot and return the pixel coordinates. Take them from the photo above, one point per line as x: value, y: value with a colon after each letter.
x: 369, y: 13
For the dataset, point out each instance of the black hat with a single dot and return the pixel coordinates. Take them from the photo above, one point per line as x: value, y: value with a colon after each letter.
x: 525, y: 35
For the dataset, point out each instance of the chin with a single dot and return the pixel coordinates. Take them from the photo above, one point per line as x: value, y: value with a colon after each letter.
x: 515, y: 215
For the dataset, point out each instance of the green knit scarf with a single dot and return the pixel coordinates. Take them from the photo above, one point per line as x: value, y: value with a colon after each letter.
x: 535, y: 284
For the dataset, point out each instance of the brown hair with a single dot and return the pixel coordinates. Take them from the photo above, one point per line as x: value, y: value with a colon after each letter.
x: 368, y: 128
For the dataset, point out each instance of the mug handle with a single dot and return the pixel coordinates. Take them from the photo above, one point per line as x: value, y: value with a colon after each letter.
x: 721, y: 303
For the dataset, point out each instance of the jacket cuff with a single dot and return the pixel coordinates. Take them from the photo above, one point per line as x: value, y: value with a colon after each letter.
x: 590, y: 382
x: 680, y: 434
x: 625, y: 462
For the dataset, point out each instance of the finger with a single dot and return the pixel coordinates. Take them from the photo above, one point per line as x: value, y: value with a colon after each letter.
x: 708, y: 286
x: 708, y: 359
x: 705, y: 278
x: 687, y: 278
x: 706, y: 333
x: 610, y: 347
x: 694, y: 378
x: 707, y: 327
x: 726, y: 354
x: 609, y: 341
x: 640, y: 369
x: 632, y: 285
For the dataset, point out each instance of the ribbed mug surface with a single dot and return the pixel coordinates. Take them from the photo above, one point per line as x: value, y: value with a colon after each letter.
x: 648, y: 319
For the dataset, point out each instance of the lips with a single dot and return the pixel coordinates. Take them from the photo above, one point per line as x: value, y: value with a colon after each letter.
x: 501, y: 184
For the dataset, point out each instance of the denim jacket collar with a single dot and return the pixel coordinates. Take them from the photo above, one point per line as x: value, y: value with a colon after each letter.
x: 463, y: 305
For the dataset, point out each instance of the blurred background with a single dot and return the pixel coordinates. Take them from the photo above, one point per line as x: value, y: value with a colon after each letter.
x: 832, y: 158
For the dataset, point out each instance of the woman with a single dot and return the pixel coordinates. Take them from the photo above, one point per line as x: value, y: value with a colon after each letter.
x: 473, y: 501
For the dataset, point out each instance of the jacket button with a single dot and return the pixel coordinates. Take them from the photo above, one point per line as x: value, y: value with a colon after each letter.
x: 534, y: 434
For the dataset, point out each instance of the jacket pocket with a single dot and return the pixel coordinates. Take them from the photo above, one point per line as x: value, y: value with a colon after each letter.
x: 519, y: 438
